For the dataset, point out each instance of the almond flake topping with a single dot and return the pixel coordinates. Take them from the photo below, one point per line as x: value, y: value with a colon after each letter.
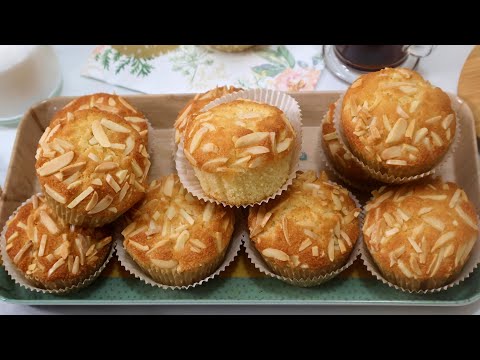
x: 56, y: 164
x: 99, y: 134
x: 80, y: 197
x: 276, y: 254
x: 55, y: 195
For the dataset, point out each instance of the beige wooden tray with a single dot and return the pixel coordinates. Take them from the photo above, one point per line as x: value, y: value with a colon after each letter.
x: 241, y: 284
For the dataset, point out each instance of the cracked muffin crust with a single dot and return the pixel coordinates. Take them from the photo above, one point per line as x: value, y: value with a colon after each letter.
x: 420, y: 235
x: 397, y: 122
x: 241, y: 151
x: 175, y: 238
x: 51, y: 253
x: 92, y: 167
x: 308, y: 231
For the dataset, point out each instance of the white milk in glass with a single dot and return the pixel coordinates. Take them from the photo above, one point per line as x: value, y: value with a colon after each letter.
x: 28, y: 74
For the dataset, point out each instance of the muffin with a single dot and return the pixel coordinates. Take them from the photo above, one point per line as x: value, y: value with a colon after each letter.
x: 340, y: 157
x: 50, y: 253
x: 241, y: 151
x: 397, y: 123
x: 308, y: 231
x: 92, y: 168
x: 195, y: 105
x: 175, y: 238
x: 110, y: 103
x: 232, y: 48
x: 420, y: 235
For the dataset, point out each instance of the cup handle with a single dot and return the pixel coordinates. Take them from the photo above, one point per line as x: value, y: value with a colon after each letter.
x: 419, y: 51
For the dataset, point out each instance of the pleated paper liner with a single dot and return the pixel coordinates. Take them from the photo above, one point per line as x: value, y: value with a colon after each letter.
x: 281, y: 100
x: 365, y: 185
x: 391, y: 179
x: 468, y: 268
x: 303, y: 281
x: 133, y: 268
x: 21, y: 280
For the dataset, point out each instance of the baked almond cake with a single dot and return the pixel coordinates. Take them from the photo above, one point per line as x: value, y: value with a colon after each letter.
x: 241, y: 151
x: 92, y: 167
x: 397, y: 123
x: 420, y: 235
x: 175, y: 238
x: 114, y: 104
x: 308, y: 231
x: 195, y: 105
x: 50, y: 253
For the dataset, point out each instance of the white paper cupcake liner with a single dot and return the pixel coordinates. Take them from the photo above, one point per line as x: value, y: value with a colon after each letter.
x: 328, y: 162
x: 391, y: 179
x: 258, y: 261
x: 468, y: 268
x: 133, y: 268
x: 19, y: 278
x: 281, y: 100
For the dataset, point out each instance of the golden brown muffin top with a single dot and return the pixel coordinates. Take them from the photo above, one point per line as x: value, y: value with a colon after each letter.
x: 312, y: 225
x: 171, y: 229
x: 422, y: 230
x: 195, y: 105
x: 394, y: 118
x: 111, y: 103
x: 238, y: 135
x: 95, y: 162
x: 47, y: 249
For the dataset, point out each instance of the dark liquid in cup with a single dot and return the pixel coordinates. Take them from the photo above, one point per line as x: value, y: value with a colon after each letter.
x: 371, y: 57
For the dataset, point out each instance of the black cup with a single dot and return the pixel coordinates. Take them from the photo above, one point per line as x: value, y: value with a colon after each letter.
x: 372, y: 57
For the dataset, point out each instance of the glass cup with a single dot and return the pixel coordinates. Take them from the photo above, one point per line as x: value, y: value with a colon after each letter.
x: 376, y: 57
x: 28, y: 74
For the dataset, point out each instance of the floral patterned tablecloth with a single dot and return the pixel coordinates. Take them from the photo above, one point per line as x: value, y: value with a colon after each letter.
x: 193, y: 68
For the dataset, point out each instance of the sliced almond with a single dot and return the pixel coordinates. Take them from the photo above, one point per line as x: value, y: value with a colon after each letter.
x: 386, y: 123
x: 137, y: 170
x: 436, y: 139
x: 433, y: 197
x: 209, y: 147
x: 48, y: 222
x: 391, y: 152
x: 164, y: 264
x: 251, y: 139
x: 434, y: 222
x: 305, y: 243
x: 197, y: 138
x: 70, y: 169
x: 398, y: 131
x: 80, y: 197
x: 169, y: 185
x: 442, y: 240
x: 190, y: 157
x: 97, y: 182
x: 187, y: 217
x: 100, y: 135
x: 410, y: 129
x: 255, y: 150
x: 101, y: 205
x: 454, y: 199
x: 214, y: 163
x: 135, y: 119
x: 396, y: 162
x: 129, y: 145
x: 447, y: 121
x: 93, y: 201
x: 22, y: 251
x: 275, y: 254
x: 121, y: 175
x: 106, y: 166
x: 55, y: 195
x: 419, y: 135
x: 402, y: 112
x: 93, y: 157
x: 123, y: 192
x: 284, y: 145
x: 56, y: 164
x: 466, y: 218
x: 56, y: 266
